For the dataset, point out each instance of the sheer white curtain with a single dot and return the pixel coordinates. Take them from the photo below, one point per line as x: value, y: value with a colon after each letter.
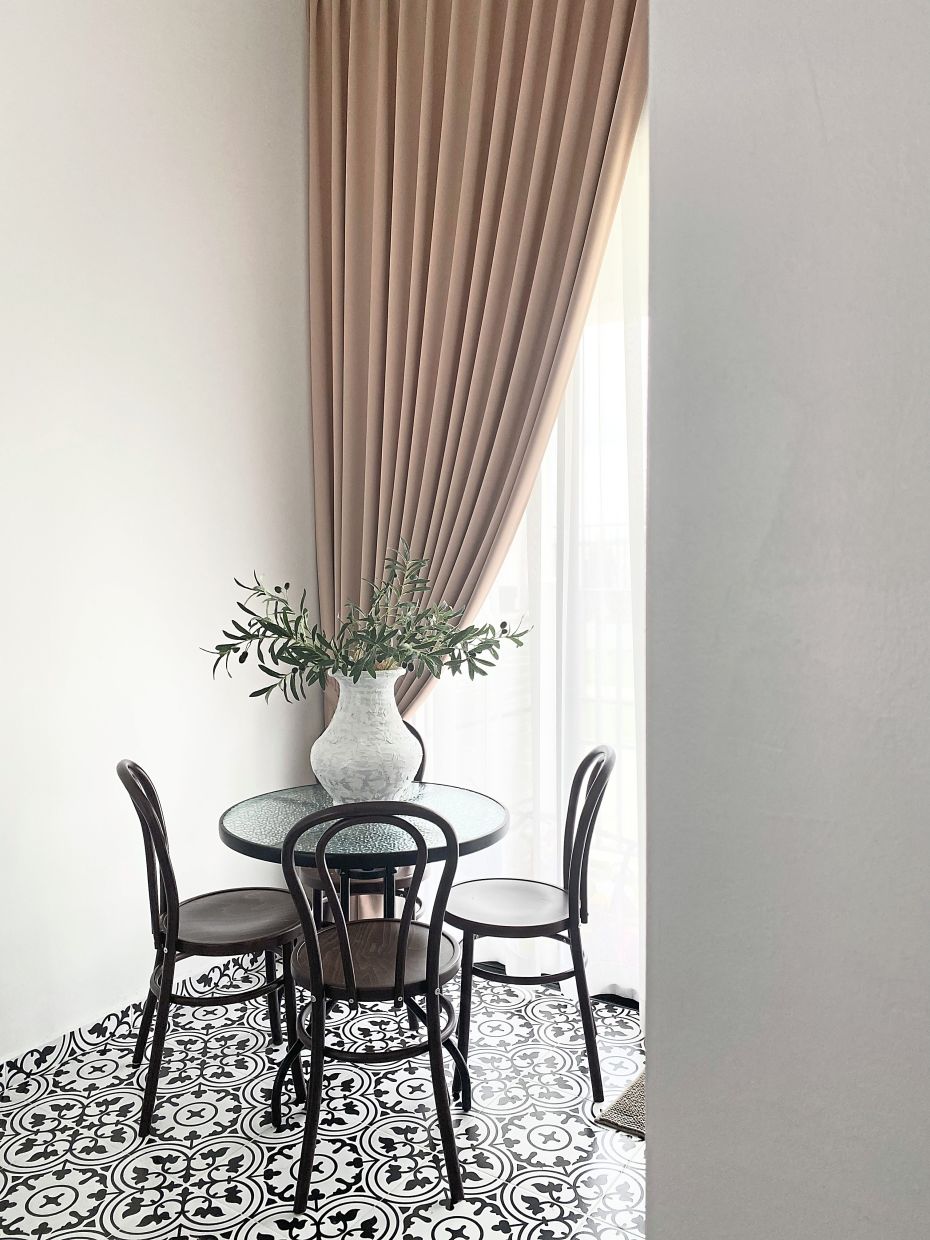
x: 575, y: 573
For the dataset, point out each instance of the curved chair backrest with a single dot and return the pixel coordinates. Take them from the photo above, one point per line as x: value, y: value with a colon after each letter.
x: 421, y: 769
x: 584, y: 802
x: 163, y: 889
x: 336, y: 819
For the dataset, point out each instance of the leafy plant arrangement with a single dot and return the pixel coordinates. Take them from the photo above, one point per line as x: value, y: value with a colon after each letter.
x: 398, y: 630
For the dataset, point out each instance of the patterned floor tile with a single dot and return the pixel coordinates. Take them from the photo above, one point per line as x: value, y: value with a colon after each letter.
x: 535, y: 1165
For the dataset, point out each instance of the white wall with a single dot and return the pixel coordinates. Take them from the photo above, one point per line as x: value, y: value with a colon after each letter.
x: 153, y: 390
x: 789, y: 621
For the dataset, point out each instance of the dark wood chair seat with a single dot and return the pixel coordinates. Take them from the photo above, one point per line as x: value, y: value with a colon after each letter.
x: 374, y: 945
x: 232, y: 922
x: 508, y: 907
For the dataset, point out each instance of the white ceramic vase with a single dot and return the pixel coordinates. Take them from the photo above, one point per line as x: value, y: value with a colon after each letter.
x: 366, y: 753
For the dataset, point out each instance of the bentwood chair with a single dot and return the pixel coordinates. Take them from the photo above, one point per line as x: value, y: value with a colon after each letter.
x: 378, y: 960
x: 362, y: 882
x: 522, y: 908
x: 219, y: 923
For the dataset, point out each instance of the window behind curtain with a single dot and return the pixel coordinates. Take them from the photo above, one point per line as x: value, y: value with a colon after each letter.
x: 574, y: 573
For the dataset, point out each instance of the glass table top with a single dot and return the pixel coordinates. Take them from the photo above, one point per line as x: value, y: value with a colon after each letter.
x: 257, y: 827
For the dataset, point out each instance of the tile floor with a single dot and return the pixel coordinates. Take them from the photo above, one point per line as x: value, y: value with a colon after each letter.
x: 535, y: 1165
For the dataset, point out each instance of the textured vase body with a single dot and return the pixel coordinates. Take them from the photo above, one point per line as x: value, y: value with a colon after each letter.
x: 366, y: 753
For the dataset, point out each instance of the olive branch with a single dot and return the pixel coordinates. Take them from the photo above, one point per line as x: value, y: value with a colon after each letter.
x: 399, y: 629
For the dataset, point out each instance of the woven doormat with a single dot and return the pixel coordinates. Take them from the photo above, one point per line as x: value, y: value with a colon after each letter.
x: 628, y: 1113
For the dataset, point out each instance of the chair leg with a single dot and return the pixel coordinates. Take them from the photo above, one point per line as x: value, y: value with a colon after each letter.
x: 317, y: 907
x: 158, y: 1045
x: 291, y: 1058
x: 587, y: 1014
x: 290, y: 1020
x: 464, y: 1021
x: 345, y: 893
x: 273, y: 999
x: 443, y: 1109
x: 145, y: 1024
x: 389, y: 899
x: 314, y: 1101
x: 413, y: 1019
x: 462, y: 1075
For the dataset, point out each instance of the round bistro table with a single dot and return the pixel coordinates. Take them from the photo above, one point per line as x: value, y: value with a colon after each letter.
x: 257, y: 828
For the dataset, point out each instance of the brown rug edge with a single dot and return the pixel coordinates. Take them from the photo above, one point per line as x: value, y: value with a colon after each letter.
x: 628, y: 1113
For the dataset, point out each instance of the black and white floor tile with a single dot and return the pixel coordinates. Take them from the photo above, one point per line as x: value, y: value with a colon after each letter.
x: 535, y: 1165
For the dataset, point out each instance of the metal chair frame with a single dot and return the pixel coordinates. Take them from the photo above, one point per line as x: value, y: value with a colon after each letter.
x: 164, y: 911
x: 438, y: 1018
x: 587, y: 792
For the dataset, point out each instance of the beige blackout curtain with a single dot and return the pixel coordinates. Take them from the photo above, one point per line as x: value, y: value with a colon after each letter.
x: 466, y: 158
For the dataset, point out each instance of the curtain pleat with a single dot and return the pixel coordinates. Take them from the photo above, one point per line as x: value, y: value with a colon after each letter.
x: 466, y: 158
